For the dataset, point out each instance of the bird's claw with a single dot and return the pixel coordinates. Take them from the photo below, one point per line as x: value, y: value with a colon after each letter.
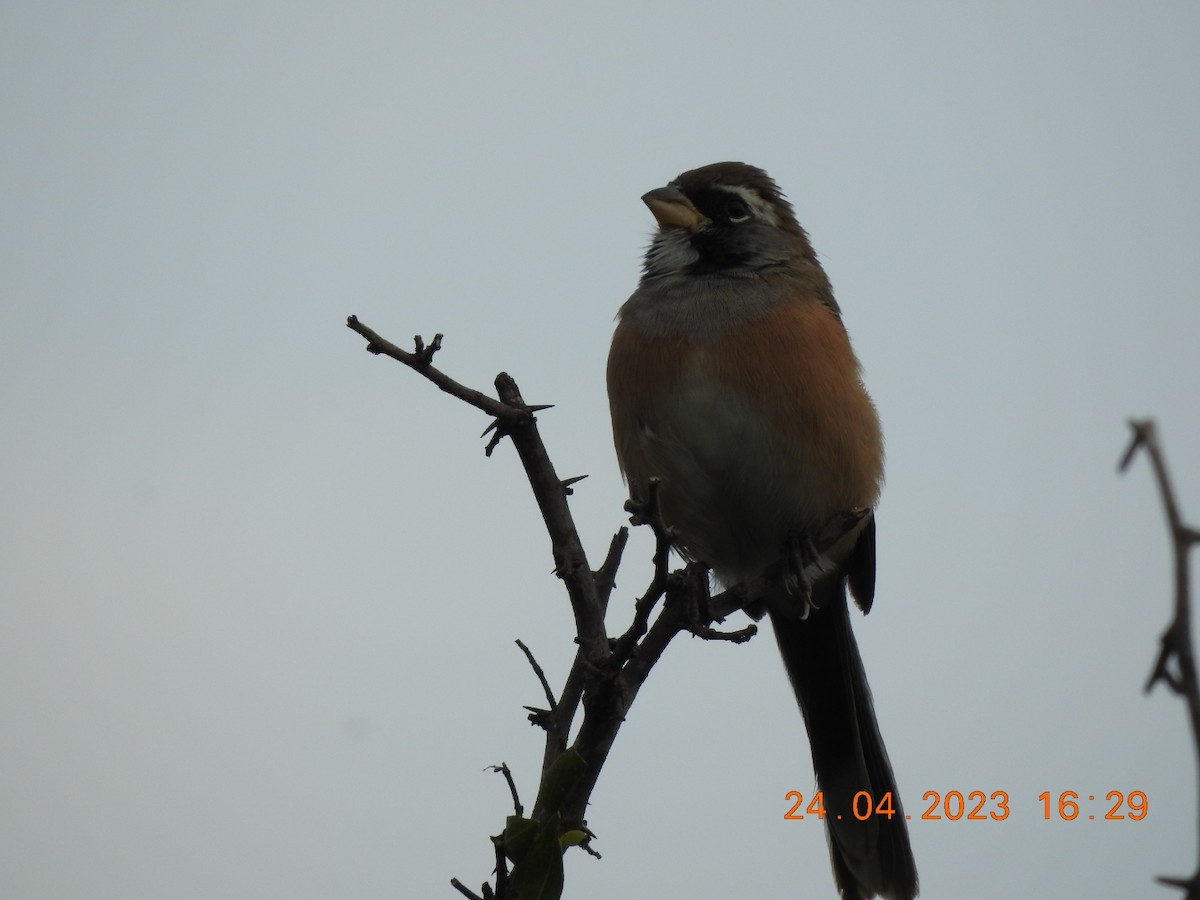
x: 798, y: 554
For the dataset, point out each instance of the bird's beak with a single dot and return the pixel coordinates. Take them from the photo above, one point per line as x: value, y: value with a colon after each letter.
x: 672, y: 208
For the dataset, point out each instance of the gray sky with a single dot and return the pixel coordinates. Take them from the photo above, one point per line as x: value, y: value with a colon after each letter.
x: 258, y: 589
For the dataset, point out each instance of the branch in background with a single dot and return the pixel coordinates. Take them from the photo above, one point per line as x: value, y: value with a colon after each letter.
x: 605, y: 675
x: 1175, y: 645
x: 515, y: 419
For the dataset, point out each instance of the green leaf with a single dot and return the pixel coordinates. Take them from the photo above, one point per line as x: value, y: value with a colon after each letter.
x: 518, y: 837
x: 572, y: 838
x: 538, y: 875
x: 560, y: 780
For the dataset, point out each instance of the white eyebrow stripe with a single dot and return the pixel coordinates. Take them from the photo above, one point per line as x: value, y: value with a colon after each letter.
x: 764, y: 209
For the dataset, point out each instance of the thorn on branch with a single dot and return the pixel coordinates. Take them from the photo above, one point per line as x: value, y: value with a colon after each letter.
x: 1168, y: 652
x: 540, y: 718
x: 1190, y: 885
x: 517, y: 412
x: 1142, y: 434
x: 568, y: 482
x: 500, y: 430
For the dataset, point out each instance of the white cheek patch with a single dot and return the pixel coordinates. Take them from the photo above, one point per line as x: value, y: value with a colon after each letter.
x: 670, y: 252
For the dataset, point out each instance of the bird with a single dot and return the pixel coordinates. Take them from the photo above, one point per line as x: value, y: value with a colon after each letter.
x: 732, y: 383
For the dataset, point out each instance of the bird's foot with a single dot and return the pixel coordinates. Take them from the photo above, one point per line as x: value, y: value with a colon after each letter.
x: 697, y: 594
x: 799, y: 552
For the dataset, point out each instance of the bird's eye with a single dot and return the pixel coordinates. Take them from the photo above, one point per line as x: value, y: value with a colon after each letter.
x: 737, y: 210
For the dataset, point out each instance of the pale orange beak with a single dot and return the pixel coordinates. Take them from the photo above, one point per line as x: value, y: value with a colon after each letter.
x: 671, y: 208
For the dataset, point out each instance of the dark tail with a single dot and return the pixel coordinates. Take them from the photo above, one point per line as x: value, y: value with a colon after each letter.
x: 872, y: 857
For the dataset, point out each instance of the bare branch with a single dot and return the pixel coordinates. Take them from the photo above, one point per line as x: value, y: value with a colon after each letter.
x: 1175, y: 665
x: 606, y: 575
x: 545, y: 718
x: 515, y: 419
x: 503, y: 769
x: 581, y: 671
x: 605, y: 676
x: 1191, y: 886
x: 647, y: 512
x: 540, y: 674
x: 419, y: 361
x: 570, y: 560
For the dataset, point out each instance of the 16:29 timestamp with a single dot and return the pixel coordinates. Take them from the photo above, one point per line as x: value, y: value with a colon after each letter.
x: 1066, y: 806
x: 980, y: 806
